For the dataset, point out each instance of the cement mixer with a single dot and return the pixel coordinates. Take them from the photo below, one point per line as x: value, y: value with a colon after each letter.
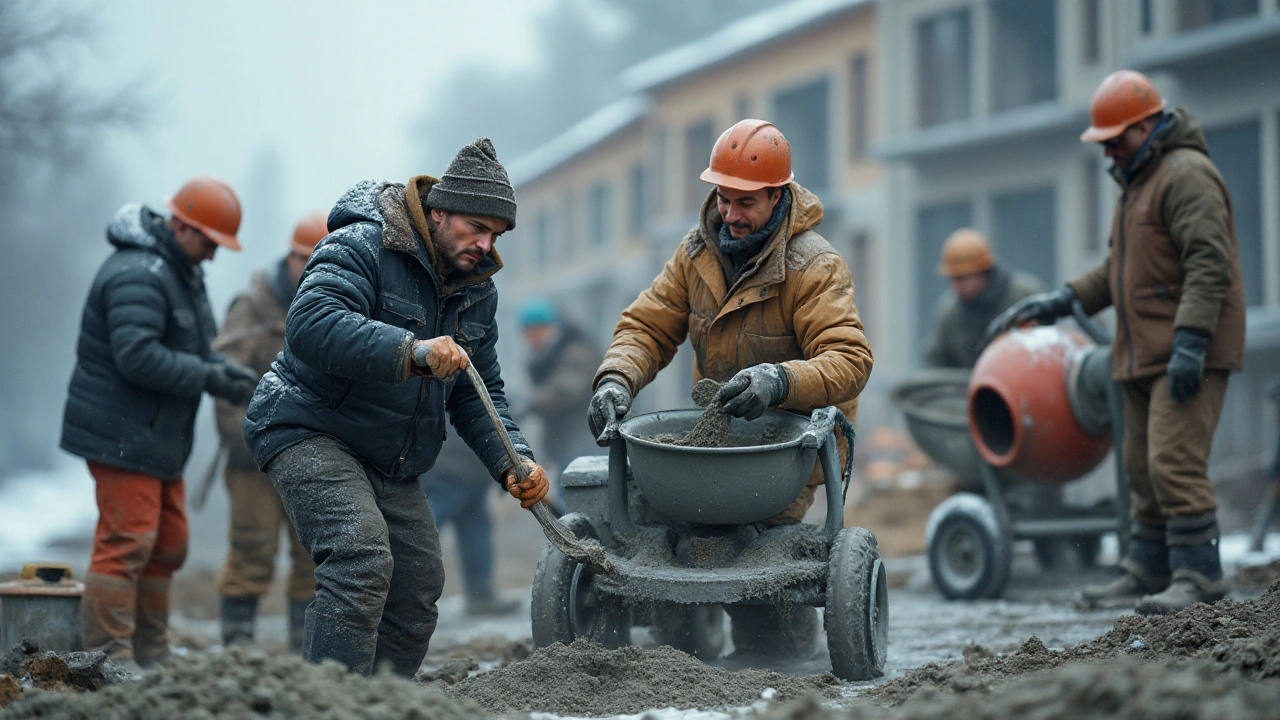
x: 1040, y: 412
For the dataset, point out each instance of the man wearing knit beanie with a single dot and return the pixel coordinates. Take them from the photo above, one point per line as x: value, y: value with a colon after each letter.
x: 395, y: 301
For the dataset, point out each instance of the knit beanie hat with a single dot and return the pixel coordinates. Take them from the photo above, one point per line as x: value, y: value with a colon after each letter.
x: 476, y: 184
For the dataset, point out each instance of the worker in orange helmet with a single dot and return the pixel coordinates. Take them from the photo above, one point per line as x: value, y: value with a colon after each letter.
x: 768, y: 306
x: 1173, y: 275
x: 143, y: 360
x: 981, y: 289
x: 253, y: 335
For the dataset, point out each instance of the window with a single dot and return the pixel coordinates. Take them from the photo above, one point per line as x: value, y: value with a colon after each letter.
x: 933, y: 224
x: 858, y: 107
x: 942, y: 61
x: 1236, y: 151
x: 542, y: 240
x: 1024, y: 59
x: 600, y: 215
x: 1091, y: 43
x: 639, y: 213
x: 1194, y: 14
x: 698, y: 140
x: 743, y: 107
x: 802, y: 113
x: 1024, y: 231
x: 569, y: 224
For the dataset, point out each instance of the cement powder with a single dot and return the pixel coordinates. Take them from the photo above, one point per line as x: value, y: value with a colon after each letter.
x: 586, y: 680
x: 248, y: 683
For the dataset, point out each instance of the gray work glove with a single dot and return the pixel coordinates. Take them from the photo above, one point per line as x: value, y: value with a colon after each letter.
x: 753, y: 390
x: 1186, y: 365
x: 611, y: 402
x: 229, y: 381
x: 1044, y: 308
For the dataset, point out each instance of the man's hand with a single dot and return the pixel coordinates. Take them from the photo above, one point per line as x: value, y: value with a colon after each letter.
x: 229, y: 381
x: 753, y: 390
x: 610, y: 402
x: 439, y: 357
x: 1044, y: 308
x: 1186, y: 365
x: 532, y: 490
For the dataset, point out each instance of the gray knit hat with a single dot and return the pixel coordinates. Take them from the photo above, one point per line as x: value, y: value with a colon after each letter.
x: 476, y: 184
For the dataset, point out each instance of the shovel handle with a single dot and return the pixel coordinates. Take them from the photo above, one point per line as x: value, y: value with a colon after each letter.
x: 517, y: 462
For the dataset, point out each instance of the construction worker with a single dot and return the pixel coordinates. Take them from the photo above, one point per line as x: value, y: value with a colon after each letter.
x: 1173, y: 275
x: 981, y: 289
x: 253, y: 335
x: 768, y: 306
x: 393, y: 305
x: 561, y: 361
x: 142, y: 362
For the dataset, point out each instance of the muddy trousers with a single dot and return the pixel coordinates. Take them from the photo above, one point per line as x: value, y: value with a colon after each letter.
x: 1166, y: 447
x: 378, y: 568
x: 140, y: 541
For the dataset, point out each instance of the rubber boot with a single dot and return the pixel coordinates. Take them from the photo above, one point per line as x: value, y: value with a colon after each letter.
x: 107, y: 611
x: 1146, y: 570
x: 151, y: 638
x: 1197, y: 567
x: 297, y: 624
x: 238, y: 615
x: 330, y: 638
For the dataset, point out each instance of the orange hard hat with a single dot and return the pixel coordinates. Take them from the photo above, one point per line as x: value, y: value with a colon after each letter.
x: 309, y: 232
x: 1123, y: 98
x: 210, y: 206
x: 748, y: 156
x: 965, y: 252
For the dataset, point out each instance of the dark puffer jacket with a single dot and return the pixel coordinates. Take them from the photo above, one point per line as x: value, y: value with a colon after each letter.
x: 370, y: 289
x: 144, y: 339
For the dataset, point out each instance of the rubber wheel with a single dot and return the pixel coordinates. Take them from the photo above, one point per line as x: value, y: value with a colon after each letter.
x: 565, y: 603
x: 857, y: 606
x: 695, y: 629
x: 970, y: 554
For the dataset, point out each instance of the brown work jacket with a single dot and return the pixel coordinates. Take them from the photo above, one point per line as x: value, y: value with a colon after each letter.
x: 252, y: 335
x: 1174, y: 261
x: 793, y: 305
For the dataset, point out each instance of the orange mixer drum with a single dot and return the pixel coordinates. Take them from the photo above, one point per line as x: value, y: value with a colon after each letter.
x: 1020, y: 414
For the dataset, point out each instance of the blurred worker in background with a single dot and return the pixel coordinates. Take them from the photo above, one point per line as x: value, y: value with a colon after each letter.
x: 981, y: 289
x: 253, y: 335
x: 1173, y: 275
x: 142, y: 362
x: 768, y: 306
x: 458, y: 486
x: 562, y: 360
x: 395, y: 303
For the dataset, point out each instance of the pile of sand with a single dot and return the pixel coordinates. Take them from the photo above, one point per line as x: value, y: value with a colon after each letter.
x: 586, y: 680
x: 248, y: 683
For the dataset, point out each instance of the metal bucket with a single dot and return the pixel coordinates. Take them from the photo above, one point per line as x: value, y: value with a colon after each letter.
x: 719, y: 486
x: 43, y: 604
x: 936, y: 405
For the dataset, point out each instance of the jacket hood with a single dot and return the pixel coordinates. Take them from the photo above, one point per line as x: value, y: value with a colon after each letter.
x: 805, y: 214
x: 1181, y: 131
x: 133, y: 227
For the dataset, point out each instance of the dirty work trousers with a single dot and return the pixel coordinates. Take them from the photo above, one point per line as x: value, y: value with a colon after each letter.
x: 1166, y: 447
x: 140, y: 540
x: 378, y: 569
x: 257, y: 519
x: 463, y: 501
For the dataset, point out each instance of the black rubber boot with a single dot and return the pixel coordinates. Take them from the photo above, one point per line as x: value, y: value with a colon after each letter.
x: 238, y: 617
x: 1197, y: 567
x: 1146, y: 570
x: 331, y: 638
x: 297, y: 624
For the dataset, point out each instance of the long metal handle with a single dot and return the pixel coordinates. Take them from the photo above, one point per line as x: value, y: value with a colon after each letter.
x: 517, y: 462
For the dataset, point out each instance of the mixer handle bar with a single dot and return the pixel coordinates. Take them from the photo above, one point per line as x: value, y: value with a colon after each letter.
x: 1086, y: 323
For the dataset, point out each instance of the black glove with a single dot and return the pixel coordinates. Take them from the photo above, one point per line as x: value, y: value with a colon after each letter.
x: 1186, y: 365
x: 229, y: 381
x: 610, y: 402
x: 1044, y: 308
x: 754, y: 390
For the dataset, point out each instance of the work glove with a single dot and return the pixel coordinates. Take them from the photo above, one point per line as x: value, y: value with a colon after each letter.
x: 1186, y: 365
x: 439, y: 357
x: 611, y: 401
x: 1044, y: 308
x: 753, y: 390
x: 532, y: 490
x: 229, y: 381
